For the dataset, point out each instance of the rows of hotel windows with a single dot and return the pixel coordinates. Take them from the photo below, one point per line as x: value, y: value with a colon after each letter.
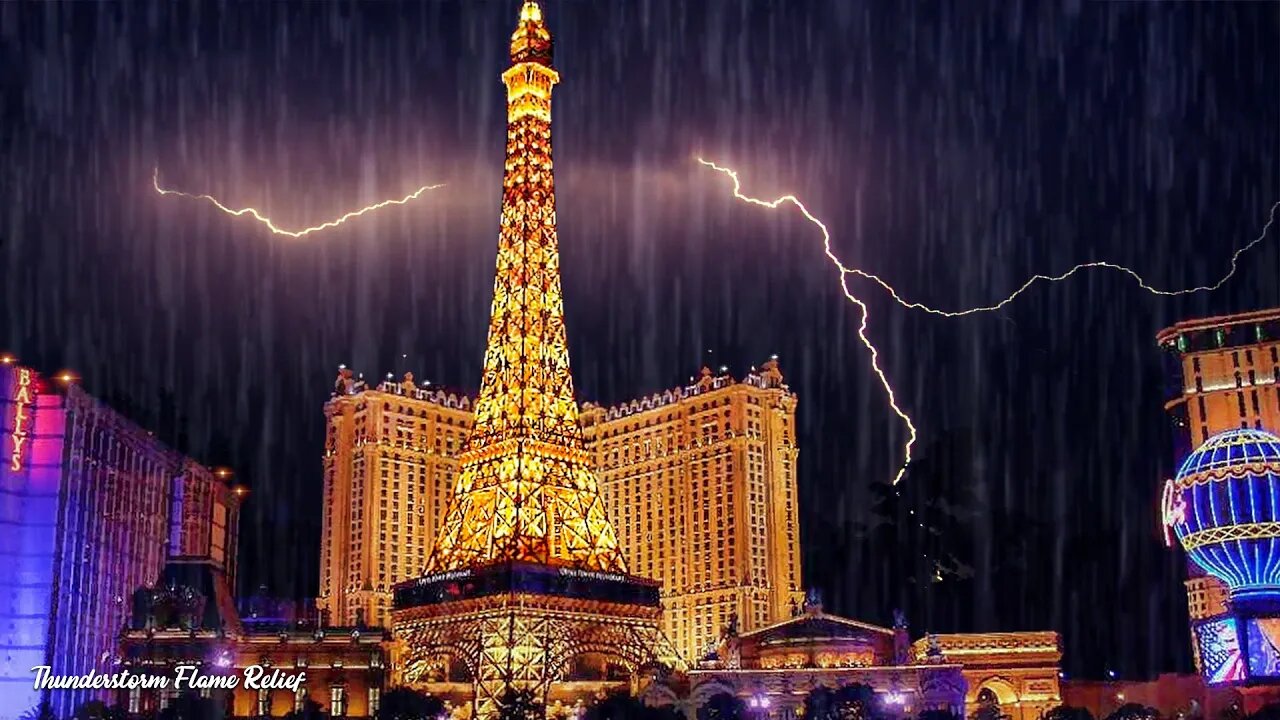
x: 1256, y: 386
x: 620, y: 443
x: 644, y: 482
x: 117, y: 498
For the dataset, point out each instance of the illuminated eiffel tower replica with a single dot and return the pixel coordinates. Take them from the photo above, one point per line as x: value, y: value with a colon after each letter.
x: 526, y: 574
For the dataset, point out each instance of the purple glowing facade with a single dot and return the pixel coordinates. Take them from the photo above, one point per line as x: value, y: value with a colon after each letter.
x: 30, y: 480
x: 91, y: 508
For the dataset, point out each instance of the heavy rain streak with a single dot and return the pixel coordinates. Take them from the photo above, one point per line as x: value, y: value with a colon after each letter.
x: 207, y: 208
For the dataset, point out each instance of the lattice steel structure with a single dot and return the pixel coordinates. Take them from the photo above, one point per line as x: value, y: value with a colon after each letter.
x: 526, y: 491
x: 526, y: 572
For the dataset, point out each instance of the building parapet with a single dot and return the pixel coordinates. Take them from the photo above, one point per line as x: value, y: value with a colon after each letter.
x: 1221, y: 332
x: 768, y: 377
x: 993, y: 644
x: 347, y: 384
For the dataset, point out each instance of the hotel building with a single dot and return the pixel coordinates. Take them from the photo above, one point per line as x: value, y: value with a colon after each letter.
x: 1223, y: 374
x: 699, y: 482
x: 390, y: 462
x: 91, y: 507
x: 188, y: 618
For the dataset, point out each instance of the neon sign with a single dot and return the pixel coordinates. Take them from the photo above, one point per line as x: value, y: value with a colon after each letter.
x: 22, y: 394
x: 1173, y: 510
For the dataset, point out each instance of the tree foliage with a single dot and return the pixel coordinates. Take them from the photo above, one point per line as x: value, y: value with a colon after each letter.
x: 1136, y: 711
x: 520, y: 705
x: 98, y: 710
x: 988, y: 707
x: 404, y: 703
x: 722, y: 706
x: 623, y: 706
x: 1068, y: 712
x: 190, y: 706
x: 851, y: 702
x: 311, y: 710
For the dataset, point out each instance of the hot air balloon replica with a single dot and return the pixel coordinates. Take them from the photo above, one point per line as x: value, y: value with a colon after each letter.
x: 1224, y: 509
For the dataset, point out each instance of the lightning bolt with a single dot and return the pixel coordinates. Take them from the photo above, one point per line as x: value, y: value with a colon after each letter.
x: 846, y: 271
x: 256, y: 215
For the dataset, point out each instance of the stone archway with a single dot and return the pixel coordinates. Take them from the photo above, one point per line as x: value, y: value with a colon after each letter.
x: 704, y: 691
x: 995, y: 698
x: 416, y: 664
x: 1001, y: 690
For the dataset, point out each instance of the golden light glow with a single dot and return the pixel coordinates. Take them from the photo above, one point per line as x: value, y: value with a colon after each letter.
x: 526, y: 490
x: 846, y: 271
x: 256, y: 215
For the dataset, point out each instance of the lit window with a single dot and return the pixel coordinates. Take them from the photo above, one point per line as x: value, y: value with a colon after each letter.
x: 337, y: 701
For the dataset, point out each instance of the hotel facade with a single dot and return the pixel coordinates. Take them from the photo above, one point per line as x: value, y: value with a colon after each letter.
x: 699, y: 482
x: 91, y: 508
x: 522, y: 540
x: 1223, y: 373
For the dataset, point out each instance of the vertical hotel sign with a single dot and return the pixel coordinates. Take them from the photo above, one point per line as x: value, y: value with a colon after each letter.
x: 24, y: 389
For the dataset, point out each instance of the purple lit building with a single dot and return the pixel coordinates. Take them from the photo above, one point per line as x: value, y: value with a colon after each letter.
x: 91, y: 509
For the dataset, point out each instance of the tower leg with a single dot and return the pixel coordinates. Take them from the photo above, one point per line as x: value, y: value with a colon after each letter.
x: 513, y: 656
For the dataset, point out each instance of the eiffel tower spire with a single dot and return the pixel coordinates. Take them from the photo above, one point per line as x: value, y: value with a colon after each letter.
x: 526, y: 491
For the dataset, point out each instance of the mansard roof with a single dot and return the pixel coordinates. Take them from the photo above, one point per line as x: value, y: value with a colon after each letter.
x: 816, y: 626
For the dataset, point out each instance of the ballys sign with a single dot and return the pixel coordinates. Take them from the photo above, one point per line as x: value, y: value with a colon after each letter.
x: 24, y: 392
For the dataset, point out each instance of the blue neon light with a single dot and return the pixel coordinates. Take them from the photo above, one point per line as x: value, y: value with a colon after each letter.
x: 1234, y: 479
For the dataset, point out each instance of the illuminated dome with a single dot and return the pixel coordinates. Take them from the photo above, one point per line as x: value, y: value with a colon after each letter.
x: 1224, y: 506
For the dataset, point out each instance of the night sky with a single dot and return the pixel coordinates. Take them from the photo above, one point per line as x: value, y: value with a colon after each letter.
x: 954, y: 149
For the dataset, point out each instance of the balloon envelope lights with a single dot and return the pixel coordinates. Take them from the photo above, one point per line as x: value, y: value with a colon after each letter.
x: 1224, y: 508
